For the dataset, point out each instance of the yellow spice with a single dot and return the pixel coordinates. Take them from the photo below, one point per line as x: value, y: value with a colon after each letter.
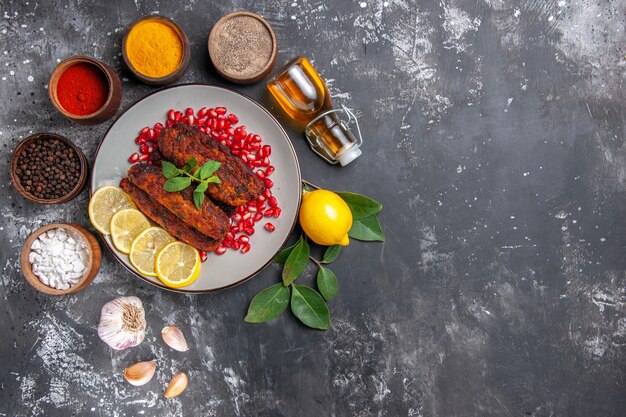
x: 154, y: 48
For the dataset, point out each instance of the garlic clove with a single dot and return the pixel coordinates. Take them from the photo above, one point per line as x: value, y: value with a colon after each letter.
x: 140, y: 373
x: 174, y: 338
x: 177, y: 385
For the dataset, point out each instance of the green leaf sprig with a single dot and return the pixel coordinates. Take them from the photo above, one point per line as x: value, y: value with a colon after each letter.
x: 180, y: 178
x: 308, y: 304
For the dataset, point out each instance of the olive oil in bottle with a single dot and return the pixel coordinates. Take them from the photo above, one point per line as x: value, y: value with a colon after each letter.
x: 303, y: 95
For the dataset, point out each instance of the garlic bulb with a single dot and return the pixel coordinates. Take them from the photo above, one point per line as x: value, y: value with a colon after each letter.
x: 174, y: 338
x: 122, y: 323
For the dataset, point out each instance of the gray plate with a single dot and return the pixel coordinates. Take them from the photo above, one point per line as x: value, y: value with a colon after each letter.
x: 232, y: 268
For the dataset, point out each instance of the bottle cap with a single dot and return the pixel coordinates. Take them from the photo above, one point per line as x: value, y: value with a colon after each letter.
x: 349, y: 155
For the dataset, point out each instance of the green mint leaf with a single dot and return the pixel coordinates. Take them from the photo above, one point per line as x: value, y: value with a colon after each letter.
x: 309, y: 307
x: 201, y: 187
x: 306, y: 187
x: 177, y: 184
x: 296, y: 261
x: 332, y: 252
x: 191, y: 164
x: 360, y: 205
x: 327, y: 283
x: 198, y: 199
x: 282, y: 256
x: 209, y: 169
x: 169, y: 169
x: 214, y: 179
x: 367, y: 229
x: 268, y: 304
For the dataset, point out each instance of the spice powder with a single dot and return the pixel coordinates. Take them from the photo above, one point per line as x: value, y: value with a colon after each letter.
x: 243, y: 46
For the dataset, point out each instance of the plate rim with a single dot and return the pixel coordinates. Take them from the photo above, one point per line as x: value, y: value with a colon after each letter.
x: 293, y: 223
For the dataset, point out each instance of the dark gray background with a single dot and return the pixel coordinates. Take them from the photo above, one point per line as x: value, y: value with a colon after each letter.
x: 494, y: 136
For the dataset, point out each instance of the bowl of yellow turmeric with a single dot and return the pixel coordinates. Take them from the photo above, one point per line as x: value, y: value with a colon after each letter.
x: 156, y: 50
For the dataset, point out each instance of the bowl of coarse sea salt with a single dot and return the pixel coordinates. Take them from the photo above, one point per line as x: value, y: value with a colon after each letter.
x: 60, y: 258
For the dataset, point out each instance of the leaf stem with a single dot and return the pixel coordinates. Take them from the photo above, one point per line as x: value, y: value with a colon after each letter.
x: 310, y: 184
x: 319, y: 264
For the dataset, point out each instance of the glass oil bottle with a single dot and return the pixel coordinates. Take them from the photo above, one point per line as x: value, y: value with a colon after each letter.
x: 304, y: 96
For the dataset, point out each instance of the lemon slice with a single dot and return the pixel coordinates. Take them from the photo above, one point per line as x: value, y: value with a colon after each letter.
x: 145, y: 247
x: 104, y: 203
x: 177, y: 265
x: 126, y: 225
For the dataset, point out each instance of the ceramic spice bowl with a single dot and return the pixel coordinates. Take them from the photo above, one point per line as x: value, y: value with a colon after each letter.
x: 150, y: 48
x: 243, y: 47
x: 94, y: 258
x: 28, y: 168
x: 85, y: 90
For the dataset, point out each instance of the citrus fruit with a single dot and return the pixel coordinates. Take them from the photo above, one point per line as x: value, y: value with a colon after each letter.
x: 104, y: 203
x: 325, y: 218
x: 177, y: 264
x: 145, y: 247
x: 126, y: 225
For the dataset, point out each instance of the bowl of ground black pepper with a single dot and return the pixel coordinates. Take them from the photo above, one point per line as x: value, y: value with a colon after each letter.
x: 85, y: 90
x: 243, y: 47
x: 47, y: 168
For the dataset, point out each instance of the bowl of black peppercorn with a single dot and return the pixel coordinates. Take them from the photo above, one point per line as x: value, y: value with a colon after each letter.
x: 47, y: 168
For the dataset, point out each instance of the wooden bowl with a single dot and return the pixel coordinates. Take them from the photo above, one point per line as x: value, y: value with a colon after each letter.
x: 213, y: 42
x: 110, y: 106
x: 184, y: 62
x: 93, y: 250
x: 82, y: 180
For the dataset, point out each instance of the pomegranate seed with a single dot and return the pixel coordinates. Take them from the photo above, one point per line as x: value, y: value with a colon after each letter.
x: 144, y: 157
x: 269, y: 227
x: 268, y: 183
x: 246, y: 216
x: 277, y: 211
x: 158, y: 127
x: 269, y: 212
x: 201, y: 121
x: 202, y: 112
x: 191, y: 120
x: 144, y: 132
x: 220, y: 250
x: 261, y: 198
x: 220, y: 110
x: 237, y: 217
x: 236, y: 245
x: 267, y: 150
x: 258, y: 216
x: 249, y: 230
x: 219, y: 125
x: 251, y: 203
x: 152, y: 134
x: 203, y: 256
x: 272, y: 202
x: 235, y: 229
x: 229, y: 131
x: 202, y: 129
x: 241, y: 209
x: 140, y: 140
x: 133, y: 158
x: 171, y: 115
x: 150, y: 149
x: 143, y: 148
x: 270, y: 170
x: 169, y: 123
x: 245, y: 248
x: 230, y: 235
x: 223, y: 136
x: 244, y: 239
x: 261, y: 207
x: 267, y: 193
x: 241, y: 225
x: 265, y: 162
x: 227, y: 243
x: 233, y: 119
x: 183, y: 119
x: 215, y: 135
x: 211, y: 113
x: 249, y: 222
x: 189, y: 111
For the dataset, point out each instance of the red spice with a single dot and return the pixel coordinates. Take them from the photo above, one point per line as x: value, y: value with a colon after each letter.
x: 82, y: 89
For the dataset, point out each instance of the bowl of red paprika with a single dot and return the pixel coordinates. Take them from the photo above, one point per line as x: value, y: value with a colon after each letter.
x: 85, y: 90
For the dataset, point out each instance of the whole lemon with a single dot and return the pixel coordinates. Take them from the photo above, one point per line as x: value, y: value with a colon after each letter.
x: 325, y: 218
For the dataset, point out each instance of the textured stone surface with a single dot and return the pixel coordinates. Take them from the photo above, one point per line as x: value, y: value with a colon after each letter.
x: 495, y: 139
